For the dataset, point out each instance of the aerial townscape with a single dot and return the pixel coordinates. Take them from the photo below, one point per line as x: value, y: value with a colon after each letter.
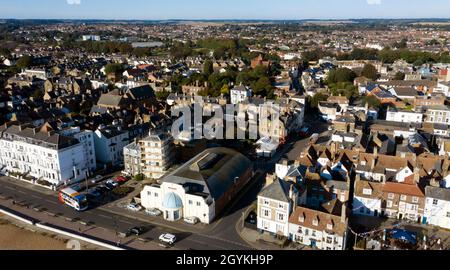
x: 95, y: 153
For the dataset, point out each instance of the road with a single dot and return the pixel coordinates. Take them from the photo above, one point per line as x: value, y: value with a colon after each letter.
x: 104, y: 219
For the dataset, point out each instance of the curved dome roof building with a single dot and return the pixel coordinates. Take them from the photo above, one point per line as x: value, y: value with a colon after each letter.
x: 203, y: 186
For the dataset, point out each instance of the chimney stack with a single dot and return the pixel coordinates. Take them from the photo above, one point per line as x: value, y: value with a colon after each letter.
x: 344, y: 213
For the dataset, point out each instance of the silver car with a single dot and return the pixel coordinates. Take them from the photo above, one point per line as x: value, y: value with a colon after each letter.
x: 153, y: 212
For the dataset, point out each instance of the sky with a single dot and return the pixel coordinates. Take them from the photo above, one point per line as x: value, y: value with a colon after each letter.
x: 222, y: 9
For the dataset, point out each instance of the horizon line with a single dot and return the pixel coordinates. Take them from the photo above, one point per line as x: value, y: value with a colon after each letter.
x: 223, y: 19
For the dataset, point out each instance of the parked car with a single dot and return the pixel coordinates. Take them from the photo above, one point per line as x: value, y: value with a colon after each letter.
x: 111, y: 184
x: 136, y: 231
x: 153, y: 212
x: 94, y: 193
x: 120, y: 179
x: 168, y: 238
x: 134, y: 207
x: 3, y: 172
x: 191, y: 220
x: 96, y: 179
x: 102, y: 189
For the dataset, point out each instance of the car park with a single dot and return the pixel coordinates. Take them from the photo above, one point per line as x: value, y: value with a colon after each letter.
x: 191, y: 220
x: 153, y: 212
x: 168, y: 238
x: 134, y: 207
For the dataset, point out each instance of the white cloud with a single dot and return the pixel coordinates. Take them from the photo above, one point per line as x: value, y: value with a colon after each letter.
x: 74, y: 2
x: 374, y: 2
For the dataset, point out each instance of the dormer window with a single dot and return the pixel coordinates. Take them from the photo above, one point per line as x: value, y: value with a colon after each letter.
x: 316, y: 222
x: 330, y: 226
x: 367, y: 191
x: 301, y: 218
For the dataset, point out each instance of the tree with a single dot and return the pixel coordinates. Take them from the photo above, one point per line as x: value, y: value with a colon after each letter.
x: 314, y: 101
x: 162, y: 95
x: 370, y: 72
x: 372, y: 101
x: 262, y: 86
x: 25, y: 61
x: 225, y: 89
x: 208, y: 68
x: 399, y: 76
x: 341, y: 75
x: 114, y: 69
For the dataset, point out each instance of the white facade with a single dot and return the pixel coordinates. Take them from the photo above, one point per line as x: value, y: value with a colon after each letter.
x: 443, y: 87
x: 109, y: 145
x: 317, y: 238
x: 366, y: 206
x: 51, y: 164
x: 404, y: 117
x: 175, y: 203
x: 438, y: 114
x: 86, y: 138
x: 239, y: 94
x: 273, y: 216
x: 437, y: 211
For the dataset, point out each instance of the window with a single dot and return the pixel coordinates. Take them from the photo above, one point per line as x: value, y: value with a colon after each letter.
x: 198, y: 204
x: 391, y: 196
x: 266, y: 213
x: 281, y: 206
x: 448, y: 214
x: 280, y: 216
x: 330, y: 226
x: 306, y: 232
x: 149, y: 193
x: 329, y: 240
x: 403, y: 198
x: 415, y: 199
x: 315, y: 222
x: 389, y: 204
x: 190, y: 202
x: 361, y: 210
x: 156, y: 195
x: 265, y: 202
x: 435, y: 202
x: 367, y: 191
x: 301, y: 219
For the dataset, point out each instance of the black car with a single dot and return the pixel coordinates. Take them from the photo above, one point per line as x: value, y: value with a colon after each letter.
x: 136, y: 231
x: 102, y: 189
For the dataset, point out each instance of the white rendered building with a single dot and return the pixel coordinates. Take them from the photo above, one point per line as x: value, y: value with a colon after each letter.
x: 44, y: 155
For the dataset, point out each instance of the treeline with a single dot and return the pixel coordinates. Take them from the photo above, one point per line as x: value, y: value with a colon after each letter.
x: 386, y: 55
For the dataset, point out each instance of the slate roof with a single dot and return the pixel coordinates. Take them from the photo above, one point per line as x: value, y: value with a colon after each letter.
x: 437, y: 193
x: 278, y: 190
